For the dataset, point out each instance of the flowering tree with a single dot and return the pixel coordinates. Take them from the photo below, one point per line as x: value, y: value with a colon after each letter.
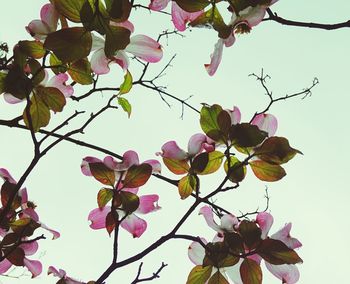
x: 74, y: 44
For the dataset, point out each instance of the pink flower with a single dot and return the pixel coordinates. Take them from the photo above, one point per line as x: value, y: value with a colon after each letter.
x: 62, y: 275
x: 179, y: 17
x: 244, y: 22
x: 141, y: 46
x: 34, y: 266
x: 57, y: 81
x: 39, y: 29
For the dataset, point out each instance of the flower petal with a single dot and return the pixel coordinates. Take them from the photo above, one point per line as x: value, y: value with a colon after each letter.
x: 6, y: 176
x: 288, y: 273
x: 98, y: 217
x: 29, y: 248
x: 148, y: 203
x: 265, y: 221
x: 284, y: 236
x: 11, y: 99
x: 196, y: 252
x: 228, y: 222
x: 122, y: 60
x: 195, y: 144
x: 209, y: 218
x: 253, y: 15
x: 99, y: 62
x: 235, y: 115
x: 55, y: 234
x: 157, y: 5
x: 38, y: 29
x: 145, y: 48
x: 49, y: 15
x: 85, y: 169
x: 156, y: 166
x: 4, y: 266
x: 34, y: 266
x: 58, y: 273
x: 126, y: 24
x: 266, y: 122
x: 134, y: 225
x: 59, y: 82
x: 215, y: 58
x: 172, y: 151
x: 181, y: 17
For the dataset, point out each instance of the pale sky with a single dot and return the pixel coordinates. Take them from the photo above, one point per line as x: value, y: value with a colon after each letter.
x: 313, y: 196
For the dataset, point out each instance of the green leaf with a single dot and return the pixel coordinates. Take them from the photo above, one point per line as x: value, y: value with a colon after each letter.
x: 130, y: 201
x: 213, y: 18
x: 92, y: 19
x: 199, y: 274
x: 126, y: 86
x: 104, y: 196
x: 186, y: 186
x: 17, y: 83
x: 250, y: 233
x: 54, y: 61
x: 124, y: 103
x: 218, y: 278
x: 52, y: 97
x: 69, y: 8
x: 80, y: 71
x: 276, y: 252
x: 34, y: 49
x: 39, y: 113
x: 117, y: 38
x: 37, y: 70
x: 69, y: 44
x: 246, y: 135
x: 119, y: 10
x: 237, y: 169
x: 137, y: 175
x: 2, y: 82
x: 102, y: 173
x: 209, y: 121
x: 200, y: 162
x: 276, y: 150
x: 24, y: 227
x: 214, y: 162
x: 191, y: 5
x: 267, y: 172
x: 178, y: 167
x: 250, y: 272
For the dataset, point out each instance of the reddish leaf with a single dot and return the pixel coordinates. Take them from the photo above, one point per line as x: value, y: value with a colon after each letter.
x: 102, y: 173
x: 110, y: 222
x: 16, y: 256
x: 7, y: 190
x: 237, y: 169
x: 199, y: 274
x: 276, y: 150
x: 235, y: 243
x: 267, y: 172
x: 224, y: 122
x: 117, y: 38
x: 218, y: 278
x: 186, y: 186
x: 250, y: 272
x: 246, y: 135
x: 81, y: 72
x: 137, y: 175
x: 130, y: 201
x: 200, y: 162
x: 250, y: 233
x: 178, y: 167
x: 276, y: 252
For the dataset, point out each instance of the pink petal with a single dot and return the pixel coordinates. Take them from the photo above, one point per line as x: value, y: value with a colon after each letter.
x: 55, y: 234
x: 38, y: 29
x: 7, y: 176
x: 145, y: 48
x: 121, y: 59
x: 265, y: 221
x: 235, y: 115
x: 134, y: 190
x: 230, y: 40
x: 266, y: 122
x: 85, y: 169
x: 30, y: 248
x: 134, y: 225
x: 157, y: 5
x: 59, y: 82
x: 23, y: 194
x: 99, y: 62
x: 4, y: 266
x: 156, y: 166
x: 29, y: 212
x: 209, y: 218
x: 195, y: 143
x: 196, y: 252
x: 172, y: 151
x: 148, y: 203
x: 129, y: 158
x: 181, y: 17
x: 34, y: 266
x: 228, y: 222
x: 49, y: 15
x: 98, y: 217
x: 215, y: 58
x: 253, y: 15
x: 284, y: 236
x: 11, y: 99
x: 58, y: 273
x: 288, y: 273
x: 127, y: 24
x: 257, y: 258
